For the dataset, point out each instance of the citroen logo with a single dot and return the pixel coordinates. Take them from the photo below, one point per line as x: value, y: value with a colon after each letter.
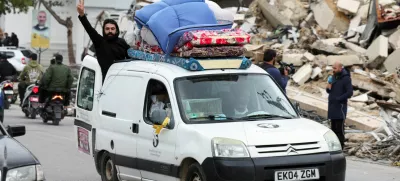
x: 291, y: 150
x: 268, y: 125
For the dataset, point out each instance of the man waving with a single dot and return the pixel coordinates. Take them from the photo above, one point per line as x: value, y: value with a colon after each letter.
x: 109, y: 47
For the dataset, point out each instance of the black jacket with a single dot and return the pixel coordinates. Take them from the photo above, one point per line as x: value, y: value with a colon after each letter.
x: 6, y: 69
x: 107, y: 50
x: 342, y: 90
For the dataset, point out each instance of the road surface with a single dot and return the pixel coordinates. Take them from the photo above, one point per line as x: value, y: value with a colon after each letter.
x: 55, y: 148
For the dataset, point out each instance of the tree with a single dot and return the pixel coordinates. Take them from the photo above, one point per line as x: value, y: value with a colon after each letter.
x: 14, y: 6
x: 65, y: 22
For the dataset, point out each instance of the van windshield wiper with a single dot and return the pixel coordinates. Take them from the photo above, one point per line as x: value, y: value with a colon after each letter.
x: 264, y: 116
x: 213, y: 117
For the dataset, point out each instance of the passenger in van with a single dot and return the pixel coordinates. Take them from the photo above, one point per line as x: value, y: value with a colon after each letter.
x: 109, y: 47
x: 241, y: 101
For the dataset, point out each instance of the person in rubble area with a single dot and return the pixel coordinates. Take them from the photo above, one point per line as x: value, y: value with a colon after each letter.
x: 109, y: 47
x: 340, y: 89
x: 269, y: 66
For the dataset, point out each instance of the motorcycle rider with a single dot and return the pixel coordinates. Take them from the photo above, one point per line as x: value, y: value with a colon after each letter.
x: 58, y: 77
x: 7, y: 70
x: 42, y: 87
x: 29, y: 75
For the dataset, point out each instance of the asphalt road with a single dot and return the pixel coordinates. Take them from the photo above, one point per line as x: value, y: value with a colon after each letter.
x: 55, y: 148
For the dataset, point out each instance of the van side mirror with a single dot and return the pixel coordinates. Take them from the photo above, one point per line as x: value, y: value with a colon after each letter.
x: 158, y: 116
x: 16, y: 131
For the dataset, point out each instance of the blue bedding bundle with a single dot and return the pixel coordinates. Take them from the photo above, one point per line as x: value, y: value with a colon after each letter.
x: 169, y: 19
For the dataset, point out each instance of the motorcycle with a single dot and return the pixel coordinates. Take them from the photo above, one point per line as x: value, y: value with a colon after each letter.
x: 54, y: 109
x: 8, y: 90
x: 30, y: 104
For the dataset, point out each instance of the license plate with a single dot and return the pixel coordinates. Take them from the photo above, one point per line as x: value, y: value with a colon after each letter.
x: 8, y: 92
x: 303, y: 174
x: 34, y: 99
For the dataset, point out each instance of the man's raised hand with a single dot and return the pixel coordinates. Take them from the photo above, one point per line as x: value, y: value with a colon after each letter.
x: 81, y: 8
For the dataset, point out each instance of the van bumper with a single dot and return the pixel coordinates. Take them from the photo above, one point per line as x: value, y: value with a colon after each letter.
x: 331, y: 166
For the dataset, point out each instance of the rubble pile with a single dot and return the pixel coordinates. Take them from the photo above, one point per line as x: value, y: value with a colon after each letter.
x: 313, y: 34
x: 380, y: 144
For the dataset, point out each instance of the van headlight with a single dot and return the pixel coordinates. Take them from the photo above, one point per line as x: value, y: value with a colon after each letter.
x: 333, y: 141
x: 225, y: 147
x: 28, y: 173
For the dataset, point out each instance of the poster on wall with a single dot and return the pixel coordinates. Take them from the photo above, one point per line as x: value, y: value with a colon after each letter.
x: 40, y: 37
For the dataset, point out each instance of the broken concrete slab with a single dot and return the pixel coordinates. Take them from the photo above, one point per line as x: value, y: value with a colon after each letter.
x: 341, y: 21
x: 272, y: 14
x: 309, y: 56
x: 359, y: 137
x: 346, y: 60
x: 239, y: 17
x: 377, y: 52
x: 361, y: 120
x: 354, y: 47
x: 295, y: 59
x: 296, y: 7
x: 394, y: 40
x: 354, y: 23
x: 360, y: 98
x: 303, y: 74
x: 316, y: 72
x: 392, y: 63
x: 319, y: 47
x: 348, y: 6
x: 323, y: 14
x: 250, y: 49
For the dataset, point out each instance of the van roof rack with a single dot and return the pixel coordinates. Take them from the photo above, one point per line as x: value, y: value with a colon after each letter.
x: 192, y: 64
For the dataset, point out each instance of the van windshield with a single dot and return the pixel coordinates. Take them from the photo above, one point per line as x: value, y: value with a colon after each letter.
x: 231, y: 97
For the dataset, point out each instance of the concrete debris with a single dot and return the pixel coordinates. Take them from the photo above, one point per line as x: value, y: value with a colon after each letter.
x: 346, y: 60
x: 360, y: 98
x: 392, y: 63
x: 394, y: 40
x: 303, y: 74
x: 323, y: 14
x: 313, y: 35
x: 377, y: 52
x: 348, y: 6
x: 382, y: 143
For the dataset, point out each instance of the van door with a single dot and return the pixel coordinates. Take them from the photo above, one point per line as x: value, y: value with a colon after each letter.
x: 89, y: 83
x: 156, y: 153
x: 121, y: 110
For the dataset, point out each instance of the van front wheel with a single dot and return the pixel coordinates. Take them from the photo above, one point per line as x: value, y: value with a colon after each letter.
x: 107, y: 168
x: 195, y: 173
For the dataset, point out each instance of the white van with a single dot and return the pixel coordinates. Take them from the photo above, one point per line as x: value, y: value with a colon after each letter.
x: 157, y: 121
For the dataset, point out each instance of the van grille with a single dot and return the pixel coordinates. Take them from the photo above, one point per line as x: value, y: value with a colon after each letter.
x: 288, y: 148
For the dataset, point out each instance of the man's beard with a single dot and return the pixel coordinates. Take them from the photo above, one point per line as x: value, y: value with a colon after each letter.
x: 111, y: 37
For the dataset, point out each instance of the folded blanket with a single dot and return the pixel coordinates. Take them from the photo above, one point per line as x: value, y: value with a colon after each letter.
x: 213, y: 37
x: 215, y: 51
x: 145, y: 47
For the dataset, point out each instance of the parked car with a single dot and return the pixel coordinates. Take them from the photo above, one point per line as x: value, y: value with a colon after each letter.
x: 18, y: 57
x: 18, y: 162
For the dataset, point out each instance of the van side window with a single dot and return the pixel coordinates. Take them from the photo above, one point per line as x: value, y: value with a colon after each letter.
x: 86, y: 89
x: 157, y: 98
